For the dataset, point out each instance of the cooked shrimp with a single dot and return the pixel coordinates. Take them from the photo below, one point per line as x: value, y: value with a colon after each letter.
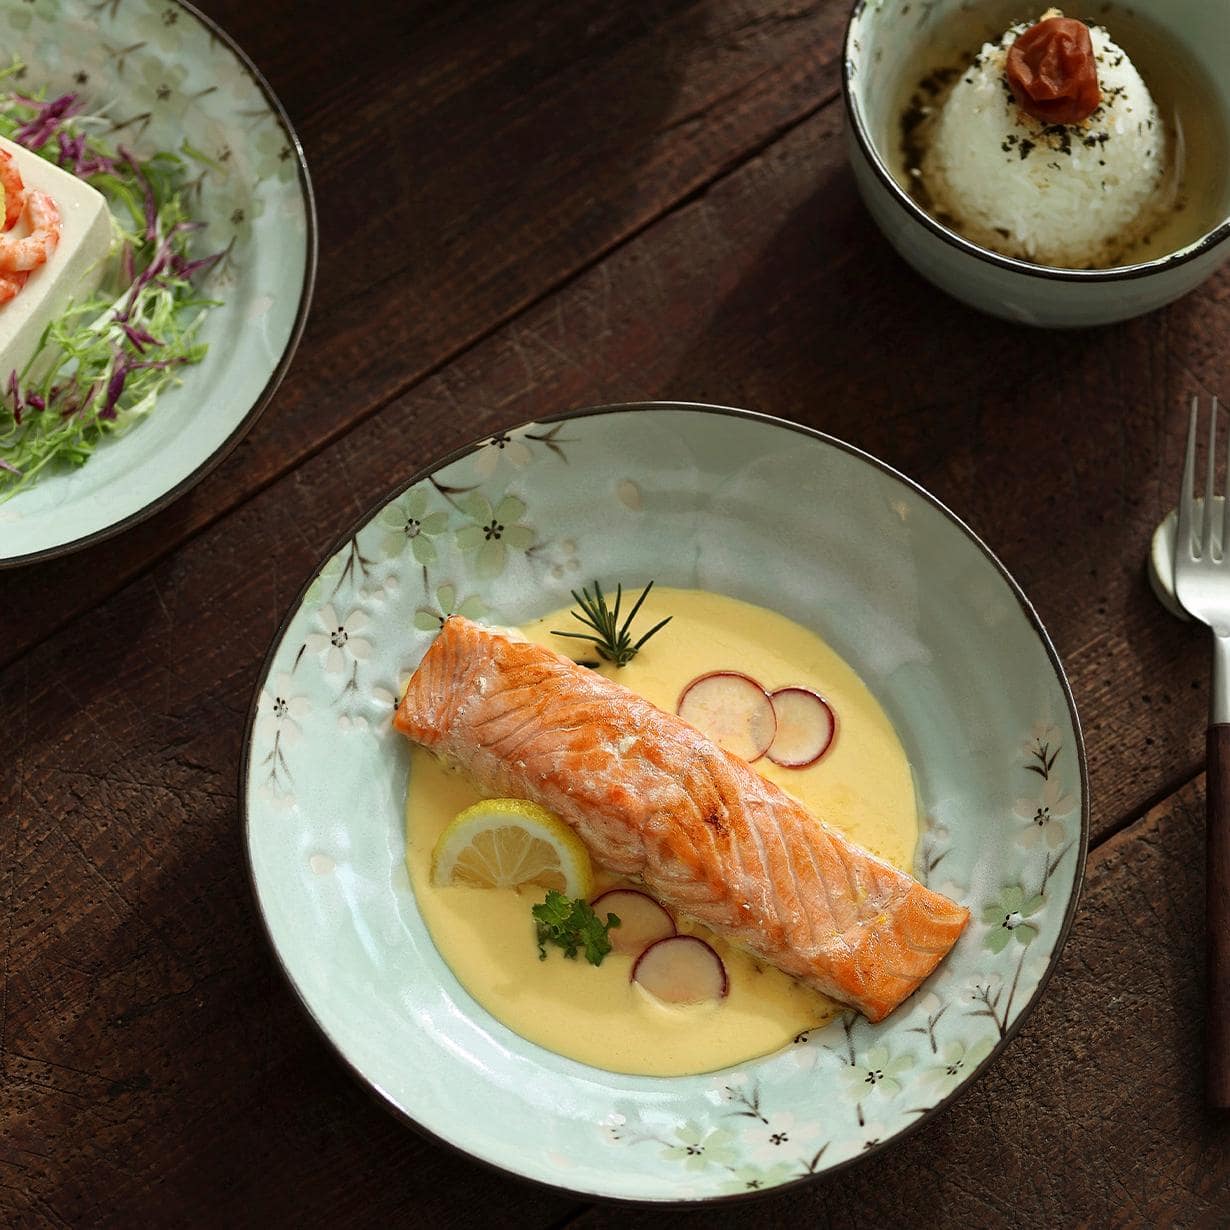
x: 10, y: 285
x: 22, y: 255
x: 14, y: 189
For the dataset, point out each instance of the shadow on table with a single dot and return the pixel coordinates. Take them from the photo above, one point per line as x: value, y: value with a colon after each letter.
x: 197, y: 1085
x: 1060, y: 449
x: 1046, y: 442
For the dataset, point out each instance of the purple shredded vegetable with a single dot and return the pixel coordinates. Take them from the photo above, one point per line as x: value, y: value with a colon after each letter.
x: 73, y: 406
x: 162, y: 260
x: 115, y: 386
x: 76, y: 154
x: 151, y: 206
x: 139, y: 338
x: 47, y: 118
x: 77, y: 157
x: 186, y: 269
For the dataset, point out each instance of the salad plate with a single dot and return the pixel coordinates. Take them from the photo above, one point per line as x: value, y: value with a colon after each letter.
x: 710, y: 498
x: 166, y: 79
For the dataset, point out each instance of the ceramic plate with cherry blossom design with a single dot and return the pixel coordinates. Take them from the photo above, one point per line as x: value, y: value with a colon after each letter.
x: 170, y: 80
x: 708, y: 498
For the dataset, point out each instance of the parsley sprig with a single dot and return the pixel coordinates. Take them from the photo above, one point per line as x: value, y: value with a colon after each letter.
x: 572, y: 924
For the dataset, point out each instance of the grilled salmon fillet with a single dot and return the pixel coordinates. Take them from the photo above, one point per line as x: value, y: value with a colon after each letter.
x: 654, y: 799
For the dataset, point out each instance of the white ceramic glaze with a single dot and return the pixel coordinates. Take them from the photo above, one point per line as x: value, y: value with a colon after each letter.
x: 689, y: 496
x: 879, y: 43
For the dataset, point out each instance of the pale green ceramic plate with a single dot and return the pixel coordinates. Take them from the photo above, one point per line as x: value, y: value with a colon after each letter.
x: 693, y: 496
x: 167, y: 74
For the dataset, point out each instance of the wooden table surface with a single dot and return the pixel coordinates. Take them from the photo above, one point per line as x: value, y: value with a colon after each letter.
x: 527, y: 206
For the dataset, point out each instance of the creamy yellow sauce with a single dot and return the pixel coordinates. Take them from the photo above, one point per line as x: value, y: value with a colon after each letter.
x: 862, y: 786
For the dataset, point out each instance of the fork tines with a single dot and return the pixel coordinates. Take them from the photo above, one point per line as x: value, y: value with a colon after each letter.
x: 1197, y: 547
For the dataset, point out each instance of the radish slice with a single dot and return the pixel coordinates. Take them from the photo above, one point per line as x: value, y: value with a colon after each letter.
x: 681, y: 970
x: 805, y: 727
x: 731, y: 709
x: 642, y: 921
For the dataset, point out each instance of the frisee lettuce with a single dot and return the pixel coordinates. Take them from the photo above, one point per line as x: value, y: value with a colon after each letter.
x: 102, y: 363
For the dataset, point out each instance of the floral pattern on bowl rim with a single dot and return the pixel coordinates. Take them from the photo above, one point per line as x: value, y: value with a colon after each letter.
x: 503, y: 529
x: 167, y: 75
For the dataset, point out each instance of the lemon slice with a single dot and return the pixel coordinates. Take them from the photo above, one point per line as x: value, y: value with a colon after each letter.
x: 500, y: 843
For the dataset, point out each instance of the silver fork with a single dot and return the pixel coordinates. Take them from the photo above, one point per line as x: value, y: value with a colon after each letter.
x: 1202, y: 585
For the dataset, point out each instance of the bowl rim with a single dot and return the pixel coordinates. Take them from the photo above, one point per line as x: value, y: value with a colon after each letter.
x: 381, y: 1096
x: 1120, y: 273
x: 265, y: 396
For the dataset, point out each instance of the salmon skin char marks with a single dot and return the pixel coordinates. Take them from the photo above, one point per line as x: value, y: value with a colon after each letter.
x: 654, y: 799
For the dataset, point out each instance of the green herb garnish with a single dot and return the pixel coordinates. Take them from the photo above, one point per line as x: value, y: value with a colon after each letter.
x: 614, y: 643
x: 104, y: 360
x: 572, y: 924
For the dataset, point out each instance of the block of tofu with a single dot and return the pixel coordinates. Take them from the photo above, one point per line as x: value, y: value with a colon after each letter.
x: 75, y: 268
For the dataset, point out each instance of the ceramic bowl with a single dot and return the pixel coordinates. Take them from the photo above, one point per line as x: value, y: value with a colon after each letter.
x: 881, y: 41
x: 170, y: 77
x: 723, y: 500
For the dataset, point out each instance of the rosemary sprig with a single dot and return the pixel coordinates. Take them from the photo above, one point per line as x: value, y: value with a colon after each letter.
x: 613, y: 642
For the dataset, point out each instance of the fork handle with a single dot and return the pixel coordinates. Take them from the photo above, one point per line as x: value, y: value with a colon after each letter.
x: 1217, y: 917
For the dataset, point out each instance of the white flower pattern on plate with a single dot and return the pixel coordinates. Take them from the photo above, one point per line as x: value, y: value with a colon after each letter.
x: 280, y: 711
x: 875, y: 1073
x: 742, y: 1130
x: 338, y: 640
x: 954, y: 1063
x: 382, y: 704
x: 501, y: 447
x: 1043, y: 815
x: 783, y: 1134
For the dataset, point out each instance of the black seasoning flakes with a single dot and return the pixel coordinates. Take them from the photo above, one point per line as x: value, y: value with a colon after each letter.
x: 1020, y: 137
x: 918, y: 114
x: 1059, y: 137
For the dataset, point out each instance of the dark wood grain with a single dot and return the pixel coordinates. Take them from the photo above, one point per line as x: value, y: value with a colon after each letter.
x: 467, y: 159
x: 156, y: 1065
x: 1095, y: 1115
x: 586, y: 204
x: 156, y: 1068
x: 1217, y: 919
x: 748, y: 295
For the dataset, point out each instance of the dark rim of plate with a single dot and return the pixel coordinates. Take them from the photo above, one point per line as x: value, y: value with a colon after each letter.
x: 698, y: 408
x: 1124, y: 273
x: 263, y: 399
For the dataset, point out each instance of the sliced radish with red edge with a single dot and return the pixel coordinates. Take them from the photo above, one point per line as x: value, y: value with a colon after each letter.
x: 642, y: 921
x: 731, y: 709
x: 806, y: 725
x: 681, y: 970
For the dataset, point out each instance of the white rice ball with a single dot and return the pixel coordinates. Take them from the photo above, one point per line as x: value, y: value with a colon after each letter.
x: 1071, y: 195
